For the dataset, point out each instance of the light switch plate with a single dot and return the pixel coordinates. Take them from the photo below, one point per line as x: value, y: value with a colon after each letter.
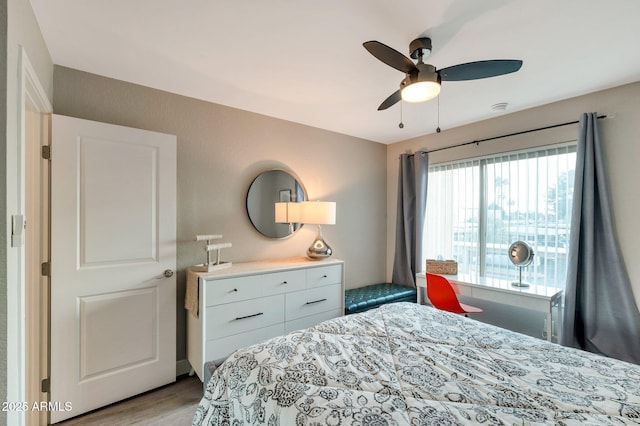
x: 17, y: 230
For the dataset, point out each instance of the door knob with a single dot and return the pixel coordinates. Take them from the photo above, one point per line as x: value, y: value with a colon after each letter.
x: 168, y: 273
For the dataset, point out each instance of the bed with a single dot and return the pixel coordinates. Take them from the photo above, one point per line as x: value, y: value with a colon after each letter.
x: 407, y: 364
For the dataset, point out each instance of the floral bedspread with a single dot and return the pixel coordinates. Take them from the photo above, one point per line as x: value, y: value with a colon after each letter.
x: 406, y: 364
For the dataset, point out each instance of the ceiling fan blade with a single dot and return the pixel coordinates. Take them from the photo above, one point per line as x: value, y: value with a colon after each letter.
x: 390, y: 101
x: 479, y: 69
x: 390, y: 56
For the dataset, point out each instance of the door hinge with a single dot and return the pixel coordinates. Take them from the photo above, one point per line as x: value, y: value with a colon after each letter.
x: 46, y: 385
x: 45, y: 269
x: 46, y: 152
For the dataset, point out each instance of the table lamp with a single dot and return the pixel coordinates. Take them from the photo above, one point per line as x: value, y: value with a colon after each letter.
x: 318, y: 213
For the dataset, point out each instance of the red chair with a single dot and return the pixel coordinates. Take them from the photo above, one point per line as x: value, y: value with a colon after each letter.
x: 442, y: 296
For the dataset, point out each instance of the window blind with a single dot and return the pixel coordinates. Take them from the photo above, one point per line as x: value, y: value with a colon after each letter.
x: 477, y: 208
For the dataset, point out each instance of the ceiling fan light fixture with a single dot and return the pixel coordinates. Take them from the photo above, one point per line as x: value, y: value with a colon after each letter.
x: 420, y: 91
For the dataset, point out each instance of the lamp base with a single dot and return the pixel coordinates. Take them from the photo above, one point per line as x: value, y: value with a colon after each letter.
x: 319, y: 249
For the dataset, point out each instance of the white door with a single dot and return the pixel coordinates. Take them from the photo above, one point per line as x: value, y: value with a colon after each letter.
x: 113, y: 217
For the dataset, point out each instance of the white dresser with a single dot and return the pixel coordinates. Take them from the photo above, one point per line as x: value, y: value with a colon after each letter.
x: 253, y: 301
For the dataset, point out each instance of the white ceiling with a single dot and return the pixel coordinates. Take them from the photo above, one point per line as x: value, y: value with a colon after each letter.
x: 303, y: 60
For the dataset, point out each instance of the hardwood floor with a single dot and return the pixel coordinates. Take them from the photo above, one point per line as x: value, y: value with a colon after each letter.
x: 173, y: 404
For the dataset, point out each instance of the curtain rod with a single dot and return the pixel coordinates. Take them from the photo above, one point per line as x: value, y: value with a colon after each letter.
x: 509, y: 134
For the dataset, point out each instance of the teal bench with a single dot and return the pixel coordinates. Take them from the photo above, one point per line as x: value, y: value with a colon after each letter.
x: 368, y: 297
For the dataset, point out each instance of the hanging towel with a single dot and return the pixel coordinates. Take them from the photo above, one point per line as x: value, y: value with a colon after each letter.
x: 191, y: 296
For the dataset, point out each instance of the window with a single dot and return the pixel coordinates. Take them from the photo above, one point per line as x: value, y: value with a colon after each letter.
x: 477, y: 208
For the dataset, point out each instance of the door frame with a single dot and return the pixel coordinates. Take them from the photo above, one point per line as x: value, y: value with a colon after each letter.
x: 29, y: 88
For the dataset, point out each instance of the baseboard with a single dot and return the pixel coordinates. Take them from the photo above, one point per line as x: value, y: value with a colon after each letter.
x: 182, y: 367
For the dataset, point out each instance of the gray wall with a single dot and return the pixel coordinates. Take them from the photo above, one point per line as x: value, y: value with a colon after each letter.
x: 619, y: 133
x: 221, y: 150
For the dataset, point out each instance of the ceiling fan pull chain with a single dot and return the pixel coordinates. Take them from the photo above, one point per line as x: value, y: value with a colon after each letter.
x: 438, y: 128
x: 401, y: 125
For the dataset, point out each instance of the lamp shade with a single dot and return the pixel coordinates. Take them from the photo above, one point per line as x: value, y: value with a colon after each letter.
x: 293, y: 212
x: 318, y: 212
x: 281, y: 213
x: 288, y: 212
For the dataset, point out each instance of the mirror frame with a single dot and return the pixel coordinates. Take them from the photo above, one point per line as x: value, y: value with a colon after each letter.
x: 255, y: 215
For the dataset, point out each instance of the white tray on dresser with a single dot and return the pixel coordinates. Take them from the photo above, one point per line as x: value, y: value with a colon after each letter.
x: 252, y: 301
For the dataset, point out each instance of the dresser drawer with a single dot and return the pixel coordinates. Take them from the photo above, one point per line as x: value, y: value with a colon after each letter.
x: 324, y: 275
x: 238, y: 317
x: 313, y: 301
x: 282, y: 282
x: 232, y: 289
x: 219, y: 349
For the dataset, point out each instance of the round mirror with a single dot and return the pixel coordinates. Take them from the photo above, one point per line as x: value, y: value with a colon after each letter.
x: 520, y: 254
x: 267, y: 189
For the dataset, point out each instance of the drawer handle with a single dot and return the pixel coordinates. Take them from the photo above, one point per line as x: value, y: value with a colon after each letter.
x: 284, y: 282
x: 235, y: 289
x: 250, y: 316
x: 315, y: 301
x: 324, y: 276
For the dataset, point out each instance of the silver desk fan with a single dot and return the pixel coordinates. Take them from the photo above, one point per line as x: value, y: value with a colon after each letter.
x: 521, y: 254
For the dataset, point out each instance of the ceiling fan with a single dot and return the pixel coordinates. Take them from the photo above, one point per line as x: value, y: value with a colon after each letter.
x: 422, y: 81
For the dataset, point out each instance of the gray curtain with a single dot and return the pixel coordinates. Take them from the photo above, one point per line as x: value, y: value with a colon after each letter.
x: 600, y: 314
x: 412, y: 204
